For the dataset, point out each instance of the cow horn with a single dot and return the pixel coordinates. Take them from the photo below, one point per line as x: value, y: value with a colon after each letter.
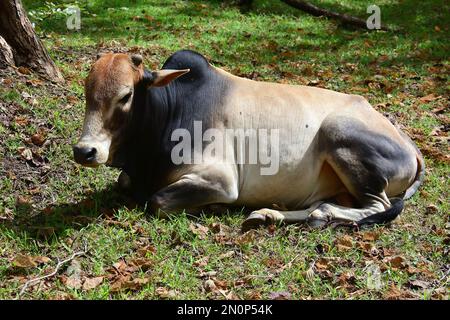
x: 136, y: 59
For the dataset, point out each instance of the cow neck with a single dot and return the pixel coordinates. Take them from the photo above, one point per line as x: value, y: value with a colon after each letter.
x: 147, y: 133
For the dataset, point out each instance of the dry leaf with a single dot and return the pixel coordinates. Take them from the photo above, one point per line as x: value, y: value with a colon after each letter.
x: 280, y: 295
x: 370, y: 236
x: 418, y: 284
x: 146, y: 250
x: 38, y: 139
x: 73, y: 282
x: 165, y: 293
x: 245, y: 238
x: 21, y: 121
x: 24, y: 261
x: 126, y: 283
x: 396, y: 262
x: 92, y: 283
x: 41, y: 259
x: 25, y: 153
x: 202, y: 262
x: 198, y: 229
x: 344, y: 243
x: 221, y: 284
x: 210, y: 286
x: 322, y: 264
x: 227, y: 254
x: 142, y: 263
x: 429, y: 98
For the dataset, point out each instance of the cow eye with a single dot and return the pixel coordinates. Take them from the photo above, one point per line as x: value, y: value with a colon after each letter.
x: 125, y: 98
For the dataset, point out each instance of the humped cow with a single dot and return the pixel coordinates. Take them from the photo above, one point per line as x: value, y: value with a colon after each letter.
x: 337, y: 159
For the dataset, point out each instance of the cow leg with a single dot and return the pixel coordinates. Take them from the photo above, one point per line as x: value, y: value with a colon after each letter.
x: 329, y: 213
x: 270, y: 216
x: 366, y: 162
x: 124, y: 182
x: 193, y: 191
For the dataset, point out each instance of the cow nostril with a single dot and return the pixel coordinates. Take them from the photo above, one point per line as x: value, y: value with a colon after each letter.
x: 90, y: 154
x: 84, y: 154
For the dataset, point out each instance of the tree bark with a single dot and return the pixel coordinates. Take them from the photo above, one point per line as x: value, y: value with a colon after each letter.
x: 316, y: 11
x: 6, y: 55
x: 27, y: 48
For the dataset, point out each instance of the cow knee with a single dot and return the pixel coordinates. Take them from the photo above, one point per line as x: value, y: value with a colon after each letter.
x: 124, y: 181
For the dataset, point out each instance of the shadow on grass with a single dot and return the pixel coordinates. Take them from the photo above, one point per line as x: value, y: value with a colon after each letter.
x: 57, y: 220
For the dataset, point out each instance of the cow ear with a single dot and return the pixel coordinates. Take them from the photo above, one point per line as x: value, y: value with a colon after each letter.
x: 165, y: 76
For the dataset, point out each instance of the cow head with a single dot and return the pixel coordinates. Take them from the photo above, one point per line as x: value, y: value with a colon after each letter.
x: 110, y: 88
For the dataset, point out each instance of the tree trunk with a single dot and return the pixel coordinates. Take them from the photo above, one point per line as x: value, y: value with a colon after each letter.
x: 27, y: 49
x: 6, y: 55
x: 316, y: 11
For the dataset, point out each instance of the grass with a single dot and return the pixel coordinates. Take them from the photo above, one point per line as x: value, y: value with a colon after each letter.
x: 51, y: 207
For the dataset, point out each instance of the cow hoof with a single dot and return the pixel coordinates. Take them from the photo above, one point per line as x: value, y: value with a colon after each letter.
x: 318, y: 219
x: 253, y: 221
x: 260, y: 218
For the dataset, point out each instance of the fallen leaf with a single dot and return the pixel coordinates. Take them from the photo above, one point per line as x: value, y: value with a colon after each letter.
x: 202, y: 262
x: 370, y: 236
x: 38, y: 139
x: 165, y: 293
x: 227, y: 254
x: 92, y: 283
x: 126, y: 283
x: 199, y: 230
x: 245, y: 238
x: 221, y: 284
x: 24, y: 261
x: 41, y: 259
x: 418, y: 284
x: 346, y: 279
x: 73, y: 282
x: 280, y: 295
x: 142, y: 263
x: 210, y: 286
x: 25, y: 153
x: 395, y: 293
x: 120, y: 266
x: 396, y: 262
x: 429, y: 98
x: 23, y: 200
x: 322, y: 264
x: 431, y: 208
x: 440, y: 109
x: 146, y: 250
x: 21, y: 121
x: 344, y: 243
x: 254, y: 295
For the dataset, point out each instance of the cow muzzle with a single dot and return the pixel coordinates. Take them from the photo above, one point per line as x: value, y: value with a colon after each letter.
x: 84, y: 155
x: 91, y: 154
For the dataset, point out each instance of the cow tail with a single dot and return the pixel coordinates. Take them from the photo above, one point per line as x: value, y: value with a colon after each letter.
x: 385, y: 216
x: 419, y: 176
